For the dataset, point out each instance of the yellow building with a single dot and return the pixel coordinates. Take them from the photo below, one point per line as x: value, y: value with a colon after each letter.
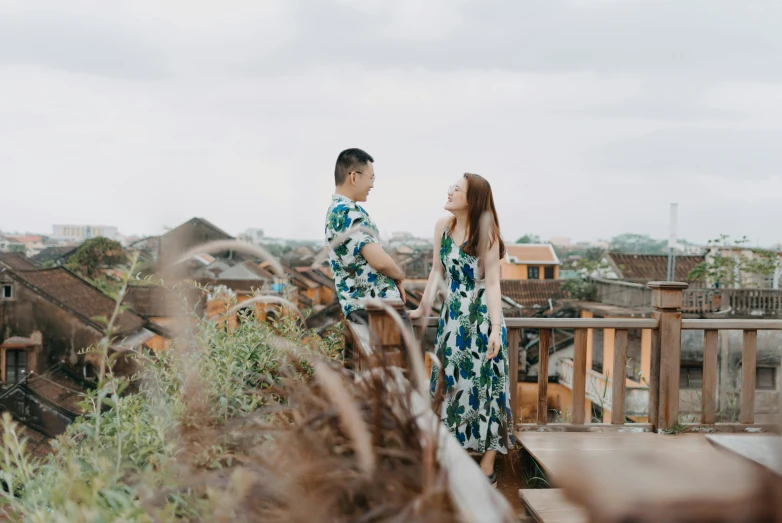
x: 530, y: 261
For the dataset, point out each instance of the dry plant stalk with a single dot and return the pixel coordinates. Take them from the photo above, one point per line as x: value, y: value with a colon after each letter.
x: 336, y: 449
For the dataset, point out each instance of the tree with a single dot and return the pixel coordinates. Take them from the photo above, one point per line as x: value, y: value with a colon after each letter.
x: 591, y: 265
x: 731, y: 264
x: 638, y: 244
x: 96, y: 254
x: 529, y: 238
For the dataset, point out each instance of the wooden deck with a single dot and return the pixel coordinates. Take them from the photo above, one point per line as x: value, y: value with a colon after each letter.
x: 764, y: 450
x: 645, y: 476
x: 551, y: 506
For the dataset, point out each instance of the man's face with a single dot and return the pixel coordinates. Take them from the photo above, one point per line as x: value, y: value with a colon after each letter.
x: 363, y: 180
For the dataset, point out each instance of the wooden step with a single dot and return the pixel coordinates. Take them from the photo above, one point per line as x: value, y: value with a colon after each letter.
x: 765, y: 450
x: 550, y: 506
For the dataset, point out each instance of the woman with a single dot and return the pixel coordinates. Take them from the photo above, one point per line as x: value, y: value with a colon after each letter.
x: 471, y: 338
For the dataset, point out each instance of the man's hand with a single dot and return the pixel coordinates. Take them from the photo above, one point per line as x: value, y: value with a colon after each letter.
x: 401, y: 290
x: 495, y: 343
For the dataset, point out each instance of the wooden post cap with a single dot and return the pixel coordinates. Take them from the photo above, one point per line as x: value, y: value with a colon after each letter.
x: 668, y: 285
x: 667, y: 294
x: 398, y: 305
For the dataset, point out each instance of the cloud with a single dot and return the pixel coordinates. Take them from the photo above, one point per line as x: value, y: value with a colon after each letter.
x: 583, y: 114
x: 722, y: 39
x: 674, y: 152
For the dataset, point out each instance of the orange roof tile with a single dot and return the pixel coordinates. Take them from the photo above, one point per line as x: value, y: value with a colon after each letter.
x: 530, y: 252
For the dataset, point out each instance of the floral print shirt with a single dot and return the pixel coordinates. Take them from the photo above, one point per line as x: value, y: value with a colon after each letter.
x: 354, y: 278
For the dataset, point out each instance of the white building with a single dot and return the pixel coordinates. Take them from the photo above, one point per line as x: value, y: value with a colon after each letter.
x: 80, y: 233
x: 253, y: 236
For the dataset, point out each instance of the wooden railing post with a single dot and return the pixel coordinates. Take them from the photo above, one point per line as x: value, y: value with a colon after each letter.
x: 709, y: 381
x: 748, y: 364
x: 544, y: 344
x: 579, y: 377
x: 514, y: 339
x: 666, y: 354
x: 385, y: 337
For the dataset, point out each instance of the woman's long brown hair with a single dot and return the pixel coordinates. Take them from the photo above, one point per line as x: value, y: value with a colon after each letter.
x: 479, y: 202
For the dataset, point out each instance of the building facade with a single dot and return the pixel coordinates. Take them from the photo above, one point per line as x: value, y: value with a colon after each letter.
x: 80, y: 233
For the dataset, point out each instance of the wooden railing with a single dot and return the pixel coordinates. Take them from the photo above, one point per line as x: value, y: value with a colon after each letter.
x: 599, y: 390
x: 741, y: 302
x: 695, y: 300
x: 666, y: 326
x: 749, y: 350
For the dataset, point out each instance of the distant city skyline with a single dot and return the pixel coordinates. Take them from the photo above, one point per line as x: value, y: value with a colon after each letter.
x: 264, y: 232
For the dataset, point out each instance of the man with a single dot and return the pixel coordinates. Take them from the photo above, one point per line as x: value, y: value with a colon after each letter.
x: 360, y: 266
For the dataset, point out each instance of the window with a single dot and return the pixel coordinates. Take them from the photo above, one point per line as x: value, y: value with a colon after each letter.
x: 533, y: 273
x: 690, y: 376
x: 548, y: 273
x: 15, y: 366
x: 7, y: 292
x: 765, y: 378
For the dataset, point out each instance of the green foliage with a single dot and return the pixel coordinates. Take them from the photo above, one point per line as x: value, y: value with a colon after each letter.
x: 580, y: 289
x: 590, y: 265
x: 112, y: 463
x: 95, y: 254
x: 529, y: 238
x: 638, y: 244
x: 737, y: 266
x: 276, y: 249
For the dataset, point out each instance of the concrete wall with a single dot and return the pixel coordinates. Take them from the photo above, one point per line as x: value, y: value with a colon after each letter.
x: 63, y: 335
x: 623, y: 294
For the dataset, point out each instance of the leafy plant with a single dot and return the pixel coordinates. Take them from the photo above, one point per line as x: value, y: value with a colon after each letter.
x: 638, y: 244
x: 529, y: 238
x: 731, y: 264
x: 96, y: 254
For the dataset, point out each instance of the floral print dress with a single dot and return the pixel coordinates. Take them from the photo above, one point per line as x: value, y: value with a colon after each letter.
x: 476, y: 406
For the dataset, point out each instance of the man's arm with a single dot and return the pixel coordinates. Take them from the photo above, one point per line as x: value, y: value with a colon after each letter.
x: 378, y: 259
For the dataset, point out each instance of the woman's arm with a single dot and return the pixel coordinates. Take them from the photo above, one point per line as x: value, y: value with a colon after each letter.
x: 436, y: 274
x: 491, y: 260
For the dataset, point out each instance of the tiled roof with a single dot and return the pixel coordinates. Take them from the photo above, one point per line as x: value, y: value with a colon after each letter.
x: 25, y: 239
x: 51, y: 254
x: 529, y: 293
x: 66, y: 289
x: 325, y: 318
x: 532, y: 253
x: 318, y: 277
x: 37, y: 444
x: 156, y: 301
x: 192, y: 222
x: 260, y: 271
x: 643, y: 268
x: 304, y: 301
x: 417, y: 266
x: 299, y: 278
x: 60, y: 389
x: 17, y: 261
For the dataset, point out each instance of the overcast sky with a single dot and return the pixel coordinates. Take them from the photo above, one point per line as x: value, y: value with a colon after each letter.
x: 588, y: 117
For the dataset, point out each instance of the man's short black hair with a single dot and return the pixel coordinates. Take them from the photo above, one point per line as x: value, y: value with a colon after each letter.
x: 348, y: 161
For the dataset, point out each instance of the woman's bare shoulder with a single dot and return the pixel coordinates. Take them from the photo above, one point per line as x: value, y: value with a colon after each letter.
x: 441, y: 224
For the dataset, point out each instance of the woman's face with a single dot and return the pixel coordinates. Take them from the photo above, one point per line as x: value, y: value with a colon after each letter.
x: 457, y: 196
